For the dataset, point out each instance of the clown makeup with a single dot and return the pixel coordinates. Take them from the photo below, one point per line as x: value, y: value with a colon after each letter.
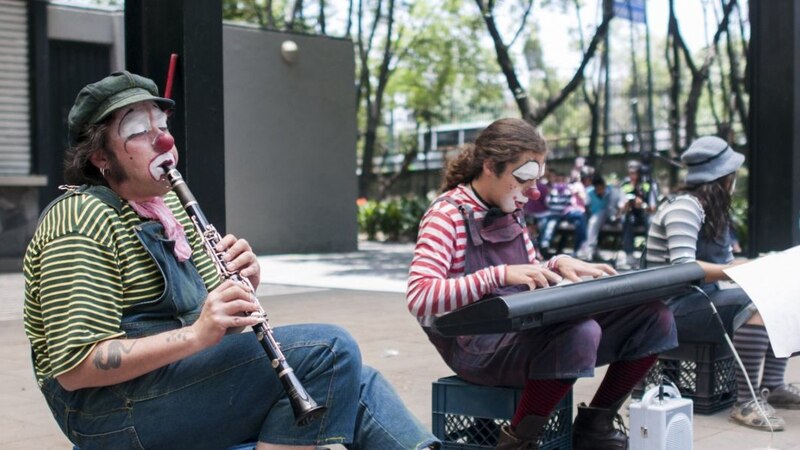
x: 141, y: 143
x: 136, y: 123
x: 529, y: 171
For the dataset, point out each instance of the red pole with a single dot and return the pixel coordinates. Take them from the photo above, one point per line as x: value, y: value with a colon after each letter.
x: 173, y: 60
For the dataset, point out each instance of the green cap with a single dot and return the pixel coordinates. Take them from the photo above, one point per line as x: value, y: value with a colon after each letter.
x: 98, y: 100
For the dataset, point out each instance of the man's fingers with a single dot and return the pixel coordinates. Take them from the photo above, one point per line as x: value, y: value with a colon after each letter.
x: 233, y: 291
x: 225, y: 242
x: 237, y: 307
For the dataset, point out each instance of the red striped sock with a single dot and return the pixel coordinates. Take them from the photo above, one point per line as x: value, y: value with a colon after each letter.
x: 540, y: 397
x: 620, y: 379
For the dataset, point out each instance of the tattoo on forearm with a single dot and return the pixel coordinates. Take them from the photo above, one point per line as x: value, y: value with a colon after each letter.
x: 110, y: 356
x: 180, y: 335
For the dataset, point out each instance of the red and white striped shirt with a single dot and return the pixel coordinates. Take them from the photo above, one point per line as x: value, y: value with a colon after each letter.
x: 436, y: 280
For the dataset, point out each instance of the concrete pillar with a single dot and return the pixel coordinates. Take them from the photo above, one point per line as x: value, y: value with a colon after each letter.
x: 774, y: 162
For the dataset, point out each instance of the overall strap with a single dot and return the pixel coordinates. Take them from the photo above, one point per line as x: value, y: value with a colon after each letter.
x: 103, y: 193
x: 469, y: 218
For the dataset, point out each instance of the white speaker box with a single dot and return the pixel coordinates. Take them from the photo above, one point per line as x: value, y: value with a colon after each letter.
x: 661, y: 424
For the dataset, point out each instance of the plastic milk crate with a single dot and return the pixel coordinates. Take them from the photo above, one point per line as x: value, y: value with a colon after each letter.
x: 704, y: 372
x: 468, y: 416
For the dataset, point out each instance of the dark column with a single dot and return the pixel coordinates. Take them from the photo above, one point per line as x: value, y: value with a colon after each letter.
x: 193, y: 29
x: 46, y: 158
x: 775, y: 124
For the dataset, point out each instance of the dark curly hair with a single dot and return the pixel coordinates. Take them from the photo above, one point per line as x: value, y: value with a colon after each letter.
x: 715, y: 198
x: 501, y: 142
x: 78, y: 169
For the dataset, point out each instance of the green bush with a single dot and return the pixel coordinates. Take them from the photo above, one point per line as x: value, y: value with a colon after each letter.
x: 392, y: 219
x: 397, y: 218
x: 369, y: 215
x: 739, y: 207
x: 739, y: 219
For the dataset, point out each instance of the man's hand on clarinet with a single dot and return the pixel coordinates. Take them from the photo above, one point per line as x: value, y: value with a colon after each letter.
x: 226, y: 308
x: 240, y: 257
x: 574, y: 269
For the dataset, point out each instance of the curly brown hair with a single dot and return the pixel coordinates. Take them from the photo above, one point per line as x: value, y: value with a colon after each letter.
x: 715, y: 198
x: 500, y: 143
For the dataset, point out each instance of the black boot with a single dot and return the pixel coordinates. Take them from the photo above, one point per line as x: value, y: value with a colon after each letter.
x: 594, y: 429
x: 525, y: 436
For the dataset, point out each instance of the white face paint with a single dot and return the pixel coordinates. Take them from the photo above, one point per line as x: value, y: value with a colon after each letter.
x: 137, y: 122
x: 133, y: 141
x: 513, y: 188
x: 529, y: 171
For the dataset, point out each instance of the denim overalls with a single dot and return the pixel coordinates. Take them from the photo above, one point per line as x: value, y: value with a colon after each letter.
x: 567, y: 350
x: 228, y: 394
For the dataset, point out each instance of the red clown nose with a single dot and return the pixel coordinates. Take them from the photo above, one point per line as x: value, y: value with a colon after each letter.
x: 164, y: 142
x: 532, y: 193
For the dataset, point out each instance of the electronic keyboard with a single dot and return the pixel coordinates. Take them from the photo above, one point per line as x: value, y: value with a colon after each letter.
x: 555, y: 304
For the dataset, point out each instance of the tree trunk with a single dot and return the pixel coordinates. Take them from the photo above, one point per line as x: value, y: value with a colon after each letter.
x: 700, y: 75
x: 387, y: 182
x: 736, y: 88
x: 554, y: 102
x: 675, y: 84
x: 692, y: 103
x: 675, y: 92
x: 349, y: 18
x: 321, y: 17
x: 594, y: 111
x: 270, y: 15
x: 374, y: 112
x: 370, y: 137
x: 297, y: 13
x: 506, y: 65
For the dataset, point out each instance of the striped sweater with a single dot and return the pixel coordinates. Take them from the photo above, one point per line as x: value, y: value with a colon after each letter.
x: 674, y: 229
x: 83, y: 268
x: 436, y: 282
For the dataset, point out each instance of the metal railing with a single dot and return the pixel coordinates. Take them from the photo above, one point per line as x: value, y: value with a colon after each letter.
x: 433, y: 153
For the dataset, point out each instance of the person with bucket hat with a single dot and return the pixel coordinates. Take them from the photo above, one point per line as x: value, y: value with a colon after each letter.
x: 694, y: 224
x: 135, y: 336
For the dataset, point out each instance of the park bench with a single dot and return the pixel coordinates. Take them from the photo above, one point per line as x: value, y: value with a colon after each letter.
x: 610, y: 238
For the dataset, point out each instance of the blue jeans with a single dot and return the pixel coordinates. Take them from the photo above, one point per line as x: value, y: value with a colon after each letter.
x: 229, y: 394
x: 576, y: 218
x: 629, y: 221
x: 695, y: 320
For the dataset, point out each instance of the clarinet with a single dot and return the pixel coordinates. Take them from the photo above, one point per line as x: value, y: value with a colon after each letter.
x: 306, y: 410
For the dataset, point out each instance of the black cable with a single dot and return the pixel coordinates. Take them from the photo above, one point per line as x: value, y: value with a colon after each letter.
x: 715, y: 313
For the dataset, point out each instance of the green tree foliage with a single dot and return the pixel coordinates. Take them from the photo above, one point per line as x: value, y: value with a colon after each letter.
x: 421, y: 57
x: 446, y: 61
x: 445, y: 76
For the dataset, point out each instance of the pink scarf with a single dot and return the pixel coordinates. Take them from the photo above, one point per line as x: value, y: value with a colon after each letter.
x: 156, y: 209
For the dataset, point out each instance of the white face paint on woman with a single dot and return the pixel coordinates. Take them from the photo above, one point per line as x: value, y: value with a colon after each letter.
x: 513, y: 188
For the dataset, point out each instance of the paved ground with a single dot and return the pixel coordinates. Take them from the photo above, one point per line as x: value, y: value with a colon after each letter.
x: 361, y: 291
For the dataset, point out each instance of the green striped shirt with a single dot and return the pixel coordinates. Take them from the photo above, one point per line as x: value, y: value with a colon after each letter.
x: 83, y: 268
